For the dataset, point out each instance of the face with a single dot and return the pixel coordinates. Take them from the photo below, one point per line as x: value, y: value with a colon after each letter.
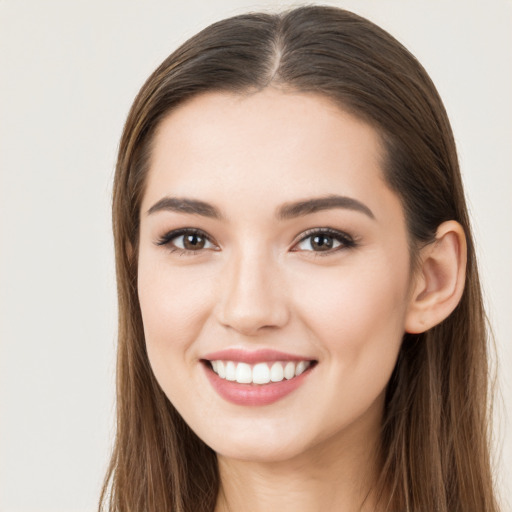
x: 274, y: 272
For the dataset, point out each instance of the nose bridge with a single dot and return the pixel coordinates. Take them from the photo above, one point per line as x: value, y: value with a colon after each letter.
x: 253, y: 295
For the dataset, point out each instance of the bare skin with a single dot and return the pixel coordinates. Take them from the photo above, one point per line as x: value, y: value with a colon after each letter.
x: 327, y: 477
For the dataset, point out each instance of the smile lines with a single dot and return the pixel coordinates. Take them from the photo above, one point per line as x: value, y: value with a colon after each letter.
x: 260, y: 373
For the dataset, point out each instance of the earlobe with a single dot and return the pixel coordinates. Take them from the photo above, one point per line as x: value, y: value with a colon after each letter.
x: 440, y: 278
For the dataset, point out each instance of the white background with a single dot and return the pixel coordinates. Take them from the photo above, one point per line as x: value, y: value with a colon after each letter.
x: 69, y: 71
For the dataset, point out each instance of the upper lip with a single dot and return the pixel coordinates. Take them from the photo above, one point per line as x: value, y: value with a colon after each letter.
x: 253, y: 356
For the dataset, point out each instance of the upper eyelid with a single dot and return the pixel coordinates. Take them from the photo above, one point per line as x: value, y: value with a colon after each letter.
x: 175, y: 233
x: 330, y: 231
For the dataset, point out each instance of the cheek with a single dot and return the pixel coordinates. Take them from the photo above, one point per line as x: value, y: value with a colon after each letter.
x: 174, y: 302
x: 356, y: 318
x: 357, y: 313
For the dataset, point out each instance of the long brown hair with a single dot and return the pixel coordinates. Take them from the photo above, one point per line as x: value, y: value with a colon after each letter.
x: 434, y: 443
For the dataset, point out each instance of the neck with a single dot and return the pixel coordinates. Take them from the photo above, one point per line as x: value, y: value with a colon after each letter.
x: 336, y: 475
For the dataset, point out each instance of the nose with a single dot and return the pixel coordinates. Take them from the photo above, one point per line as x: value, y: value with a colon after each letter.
x: 253, y: 297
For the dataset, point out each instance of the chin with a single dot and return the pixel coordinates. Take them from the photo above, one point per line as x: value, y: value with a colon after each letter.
x: 258, y: 442
x: 259, y: 452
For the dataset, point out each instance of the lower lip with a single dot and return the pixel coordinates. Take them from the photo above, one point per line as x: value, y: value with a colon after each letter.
x: 254, y: 394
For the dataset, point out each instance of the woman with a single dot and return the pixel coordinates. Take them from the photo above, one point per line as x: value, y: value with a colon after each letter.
x: 300, y: 316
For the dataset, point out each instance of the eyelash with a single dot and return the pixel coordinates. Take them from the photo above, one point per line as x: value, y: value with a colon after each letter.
x: 346, y: 241
x: 171, y: 235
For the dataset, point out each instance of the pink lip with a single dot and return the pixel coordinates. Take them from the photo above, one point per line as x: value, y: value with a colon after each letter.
x: 252, y: 357
x: 253, y: 394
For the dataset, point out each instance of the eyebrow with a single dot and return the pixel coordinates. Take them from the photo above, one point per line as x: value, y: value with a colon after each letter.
x: 308, y: 206
x: 285, y: 212
x: 186, y: 205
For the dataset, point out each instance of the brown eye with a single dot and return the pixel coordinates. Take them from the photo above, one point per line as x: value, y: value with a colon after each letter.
x: 321, y: 242
x: 193, y: 242
x: 186, y: 240
x: 324, y: 240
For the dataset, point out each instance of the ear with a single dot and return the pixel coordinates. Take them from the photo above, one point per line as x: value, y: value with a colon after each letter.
x: 439, y: 280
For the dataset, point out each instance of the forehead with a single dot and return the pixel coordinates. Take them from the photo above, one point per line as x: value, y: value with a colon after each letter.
x: 267, y: 146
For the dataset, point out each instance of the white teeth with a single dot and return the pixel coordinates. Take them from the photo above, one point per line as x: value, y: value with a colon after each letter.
x: 276, y: 372
x: 289, y: 370
x: 243, y: 373
x: 221, y: 369
x: 260, y: 373
x: 301, y: 366
x: 230, y: 371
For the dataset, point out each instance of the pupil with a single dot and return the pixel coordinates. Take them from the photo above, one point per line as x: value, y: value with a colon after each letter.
x: 193, y: 242
x: 322, y: 242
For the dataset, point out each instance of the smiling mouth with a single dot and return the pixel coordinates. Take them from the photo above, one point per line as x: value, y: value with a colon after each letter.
x: 260, y: 373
